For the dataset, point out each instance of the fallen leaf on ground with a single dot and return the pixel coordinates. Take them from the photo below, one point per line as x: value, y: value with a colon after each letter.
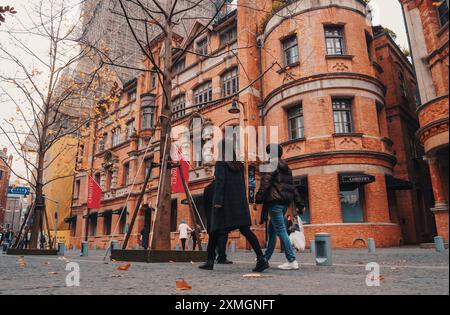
x: 23, y: 264
x: 52, y: 273
x: 182, y: 285
x: 117, y: 276
x: 48, y: 263
x: 252, y: 276
x: 124, y: 267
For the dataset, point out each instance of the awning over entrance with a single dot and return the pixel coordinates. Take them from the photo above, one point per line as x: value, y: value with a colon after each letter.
x: 393, y: 183
x: 71, y: 219
x: 106, y: 213
x: 91, y: 215
x: 120, y: 211
x: 355, y: 179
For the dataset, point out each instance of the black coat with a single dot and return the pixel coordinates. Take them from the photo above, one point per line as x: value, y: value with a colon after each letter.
x: 208, y: 196
x: 230, y: 194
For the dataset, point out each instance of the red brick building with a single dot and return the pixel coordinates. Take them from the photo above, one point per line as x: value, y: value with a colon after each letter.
x: 5, y: 175
x: 308, y: 68
x: 427, y: 23
x: 411, y: 195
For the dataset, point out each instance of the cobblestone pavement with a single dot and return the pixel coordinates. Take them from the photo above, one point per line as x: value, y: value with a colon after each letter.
x: 403, y: 271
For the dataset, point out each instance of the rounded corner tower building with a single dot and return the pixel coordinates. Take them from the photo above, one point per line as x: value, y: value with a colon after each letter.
x: 325, y: 96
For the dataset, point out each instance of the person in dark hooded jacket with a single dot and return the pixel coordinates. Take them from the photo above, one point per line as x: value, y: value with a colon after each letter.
x: 231, y: 208
x: 277, y: 193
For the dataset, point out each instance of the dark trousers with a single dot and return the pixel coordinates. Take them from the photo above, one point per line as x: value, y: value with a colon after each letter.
x: 194, y: 244
x: 248, y: 234
x: 217, y: 245
x: 183, y: 244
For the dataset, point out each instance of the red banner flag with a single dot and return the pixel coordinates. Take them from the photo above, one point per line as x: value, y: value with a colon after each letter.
x: 177, y: 180
x: 94, y: 194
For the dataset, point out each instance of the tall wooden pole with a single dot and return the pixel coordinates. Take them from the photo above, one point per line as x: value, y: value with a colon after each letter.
x: 138, y: 205
x: 191, y: 207
x: 161, y: 236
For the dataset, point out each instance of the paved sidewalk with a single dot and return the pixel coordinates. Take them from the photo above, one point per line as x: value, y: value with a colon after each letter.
x: 406, y: 270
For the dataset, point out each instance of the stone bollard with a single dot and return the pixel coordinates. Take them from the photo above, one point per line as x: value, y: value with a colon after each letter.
x: 372, y: 246
x: 114, y: 245
x: 61, y: 249
x: 84, y: 249
x: 5, y: 247
x: 312, y: 247
x: 233, y: 247
x: 439, y: 243
x: 323, y: 250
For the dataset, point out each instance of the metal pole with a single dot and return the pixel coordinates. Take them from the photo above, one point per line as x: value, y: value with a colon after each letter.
x: 56, y: 223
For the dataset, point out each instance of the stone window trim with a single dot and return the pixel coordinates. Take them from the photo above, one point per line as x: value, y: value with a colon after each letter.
x: 346, y: 57
x: 231, y: 34
x: 348, y: 134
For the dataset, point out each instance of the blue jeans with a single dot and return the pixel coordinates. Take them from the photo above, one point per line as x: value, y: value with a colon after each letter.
x: 277, y: 227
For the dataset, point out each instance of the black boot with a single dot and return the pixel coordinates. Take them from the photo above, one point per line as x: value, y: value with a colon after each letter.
x: 261, y: 264
x: 209, y: 265
x: 224, y: 262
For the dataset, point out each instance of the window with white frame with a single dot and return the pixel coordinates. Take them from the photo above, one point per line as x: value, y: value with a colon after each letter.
x: 229, y: 35
x: 290, y: 50
x: 202, y: 47
x: 343, y: 116
x: 334, y: 37
x: 116, y: 137
x: 296, y: 122
x: 179, y: 106
x: 230, y: 82
x: 147, y: 118
x: 203, y: 94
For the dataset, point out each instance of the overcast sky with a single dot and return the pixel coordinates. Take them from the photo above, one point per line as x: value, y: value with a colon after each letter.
x: 386, y: 12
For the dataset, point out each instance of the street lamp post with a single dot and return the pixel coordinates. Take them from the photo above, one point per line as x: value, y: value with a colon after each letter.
x: 236, y: 110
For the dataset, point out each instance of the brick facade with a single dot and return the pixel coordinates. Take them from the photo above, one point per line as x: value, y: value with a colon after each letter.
x: 427, y: 23
x: 5, y: 175
x: 341, y: 150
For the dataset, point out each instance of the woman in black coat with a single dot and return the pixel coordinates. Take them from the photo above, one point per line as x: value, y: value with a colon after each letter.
x: 231, y: 209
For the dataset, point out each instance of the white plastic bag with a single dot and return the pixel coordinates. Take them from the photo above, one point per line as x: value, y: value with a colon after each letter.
x: 297, y: 238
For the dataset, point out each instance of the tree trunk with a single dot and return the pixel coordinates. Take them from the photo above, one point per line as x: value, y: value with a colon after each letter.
x: 161, y: 236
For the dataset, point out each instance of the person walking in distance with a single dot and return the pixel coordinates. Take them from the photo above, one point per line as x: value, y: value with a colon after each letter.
x: 277, y: 193
x: 230, y: 205
x: 184, y: 231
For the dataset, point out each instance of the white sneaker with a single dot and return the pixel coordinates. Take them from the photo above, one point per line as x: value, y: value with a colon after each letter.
x: 289, y: 266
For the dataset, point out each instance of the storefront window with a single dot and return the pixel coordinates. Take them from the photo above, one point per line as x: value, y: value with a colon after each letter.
x: 301, y: 184
x: 352, y: 203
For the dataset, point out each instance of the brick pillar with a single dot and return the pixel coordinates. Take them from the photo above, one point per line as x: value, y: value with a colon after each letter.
x: 324, y: 198
x: 376, y: 200
x: 440, y: 209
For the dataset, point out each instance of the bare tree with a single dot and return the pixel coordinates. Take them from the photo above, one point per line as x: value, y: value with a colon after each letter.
x: 148, y: 19
x: 39, y: 79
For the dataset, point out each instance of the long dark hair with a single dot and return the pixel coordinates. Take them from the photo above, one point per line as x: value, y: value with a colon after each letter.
x: 234, y: 164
